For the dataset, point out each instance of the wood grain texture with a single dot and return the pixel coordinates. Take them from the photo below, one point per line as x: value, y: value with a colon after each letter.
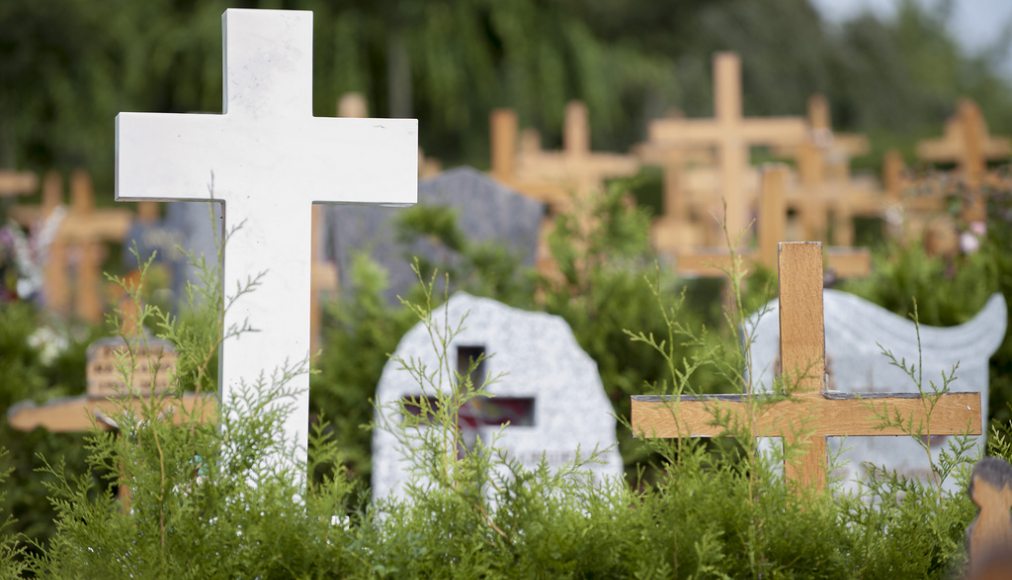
x: 990, y: 534
x: 814, y: 414
x: 802, y: 348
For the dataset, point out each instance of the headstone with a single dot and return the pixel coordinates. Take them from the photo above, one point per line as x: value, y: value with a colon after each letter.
x: 855, y: 365
x: 268, y: 159
x: 152, y: 236
x: 549, y: 391
x: 486, y: 212
x: 814, y: 412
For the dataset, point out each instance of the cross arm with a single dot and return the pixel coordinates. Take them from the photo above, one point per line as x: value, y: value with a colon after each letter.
x: 818, y: 414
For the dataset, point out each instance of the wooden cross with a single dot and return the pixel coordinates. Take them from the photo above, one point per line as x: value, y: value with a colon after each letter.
x: 269, y: 160
x: 554, y: 176
x: 827, y: 186
x: 967, y: 142
x: 731, y: 134
x: 83, y: 231
x: 845, y: 262
x: 810, y: 413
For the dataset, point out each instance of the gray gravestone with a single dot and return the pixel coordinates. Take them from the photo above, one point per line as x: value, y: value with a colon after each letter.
x: 199, y: 227
x: 166, y: 243
x: 855, y: 364
x: 486, y: 212
x: 549, y: 391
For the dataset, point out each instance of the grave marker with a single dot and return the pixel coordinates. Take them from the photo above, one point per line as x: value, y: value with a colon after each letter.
x: 268, y: 159
x: 80, y: 234
x: 548, y: 390
x: 845, y: 262
x: 855, y: 365
x: 554, y: 177
x: 731, y: 134
x: 811, y: 413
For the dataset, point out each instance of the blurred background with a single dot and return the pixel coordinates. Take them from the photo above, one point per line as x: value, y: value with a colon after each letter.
x: 890, y: 69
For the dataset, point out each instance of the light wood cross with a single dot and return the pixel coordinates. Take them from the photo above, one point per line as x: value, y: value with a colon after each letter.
x: 845, y: 262
x: 810, y: 413
x: 731, y: 134
x: 83, y: 232
x: 554, y: 177
x: 269, y: 160
x: 827, y: 187
x: 967, y: 142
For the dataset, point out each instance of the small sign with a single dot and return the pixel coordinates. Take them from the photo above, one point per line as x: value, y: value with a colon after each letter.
x: 152, y: 368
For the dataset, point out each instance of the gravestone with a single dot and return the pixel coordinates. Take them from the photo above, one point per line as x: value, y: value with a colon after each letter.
x: 108, y: 393
x: 150, y: 235
x: 486, y: 212
x: 549, y: 391
x: 854, y: 329
x: 268, y: 159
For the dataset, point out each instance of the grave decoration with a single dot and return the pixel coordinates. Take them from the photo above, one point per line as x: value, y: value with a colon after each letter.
x: 731, y: 134
x: 809, y: 413
x: 554, y: 177
x: 486, y: 211
x: 855, y: 365
x: 547, y: 400
x: 268, y: 159
x: 844, y: 262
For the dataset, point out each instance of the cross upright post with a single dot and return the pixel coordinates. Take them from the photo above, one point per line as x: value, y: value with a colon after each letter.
x: 810, y: 413
x: 268, y: 159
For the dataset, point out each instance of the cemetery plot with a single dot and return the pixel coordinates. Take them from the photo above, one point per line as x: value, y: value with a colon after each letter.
x: 809, y: 414
x: 547, y: 400
x: 268, y: 159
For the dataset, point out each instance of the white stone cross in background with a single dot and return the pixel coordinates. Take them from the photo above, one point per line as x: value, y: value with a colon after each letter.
x: 268, y: 159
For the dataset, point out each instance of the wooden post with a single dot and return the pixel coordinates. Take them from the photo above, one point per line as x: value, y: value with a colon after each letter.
x: 772, y: 213
x: 88, y: 299
x: 989, y: 537
x: 504, y: 144
x: 14, y: 183
x: 809, y: 414
x: 803, y: 352
x: 55, y: 283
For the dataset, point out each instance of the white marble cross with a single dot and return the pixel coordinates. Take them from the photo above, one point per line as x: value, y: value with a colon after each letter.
x: 268, y: 159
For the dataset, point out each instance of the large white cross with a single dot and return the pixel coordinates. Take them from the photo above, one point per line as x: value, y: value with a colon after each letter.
x: 268, y: 159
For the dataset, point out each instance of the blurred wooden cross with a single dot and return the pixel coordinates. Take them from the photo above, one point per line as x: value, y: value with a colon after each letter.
x: 554, y: 176
x: 968, y: 143
x: 845, y: 262
x: 810, y: 413
x: 83, y: 230
x: 731, y: 134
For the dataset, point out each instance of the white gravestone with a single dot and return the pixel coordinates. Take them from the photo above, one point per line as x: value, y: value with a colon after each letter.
x: 855, y: 364
x: 268, y: 159
x: 549, y: 390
